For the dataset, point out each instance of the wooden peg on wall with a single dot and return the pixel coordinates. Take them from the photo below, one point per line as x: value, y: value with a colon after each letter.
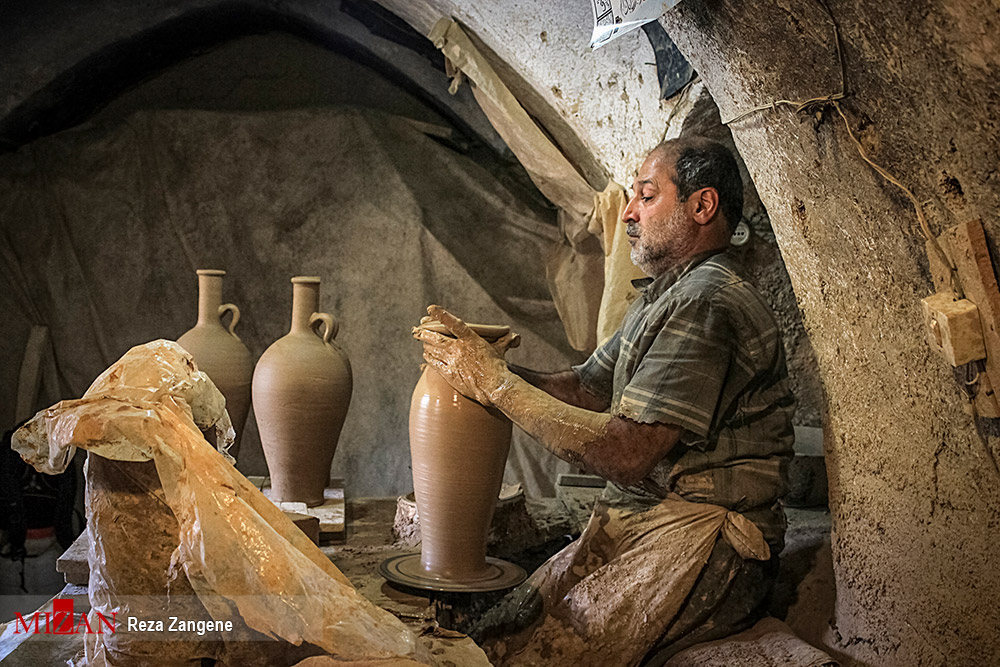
x: 966, y: 245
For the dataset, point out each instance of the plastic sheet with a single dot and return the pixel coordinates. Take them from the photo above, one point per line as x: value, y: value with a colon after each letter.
x: 619, y: 271
x: 242, y: 557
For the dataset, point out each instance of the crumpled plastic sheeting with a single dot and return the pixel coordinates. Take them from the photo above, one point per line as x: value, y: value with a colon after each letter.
x: 145, y: 374
x: 237, y: 549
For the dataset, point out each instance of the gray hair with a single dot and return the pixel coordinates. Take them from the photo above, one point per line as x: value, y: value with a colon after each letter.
x: 699, y: 163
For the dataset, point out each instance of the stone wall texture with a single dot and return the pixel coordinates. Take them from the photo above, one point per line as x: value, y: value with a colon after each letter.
x: 913, y: 494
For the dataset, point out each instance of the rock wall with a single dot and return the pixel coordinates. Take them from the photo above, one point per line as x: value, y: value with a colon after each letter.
x: 913, y: 494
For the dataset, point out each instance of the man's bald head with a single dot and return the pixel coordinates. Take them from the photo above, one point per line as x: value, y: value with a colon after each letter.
x: 700, y: 162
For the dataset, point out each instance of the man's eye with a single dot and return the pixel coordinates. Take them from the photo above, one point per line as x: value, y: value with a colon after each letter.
x: 647, y: 198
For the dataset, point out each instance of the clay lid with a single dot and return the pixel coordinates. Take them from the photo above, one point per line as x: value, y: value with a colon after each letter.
x: 487, y: 331
x: 210, y: 272
x: 306, y: 280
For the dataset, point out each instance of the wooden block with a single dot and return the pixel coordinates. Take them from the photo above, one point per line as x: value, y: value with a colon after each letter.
x: 331, y: 516
x: 73, y: 562
x: 966, y: 245
x: 953, y: 328
x: 307, y: 524
x: 330, y: 513
x: 591, y: 481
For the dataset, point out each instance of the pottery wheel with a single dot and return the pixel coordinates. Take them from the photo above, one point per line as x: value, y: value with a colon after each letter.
x: 406, y: 570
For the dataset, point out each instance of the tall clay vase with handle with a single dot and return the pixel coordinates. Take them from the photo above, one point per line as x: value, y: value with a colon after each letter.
x: 301, y: 391
x: 219, y: 352
x: 458, y: 450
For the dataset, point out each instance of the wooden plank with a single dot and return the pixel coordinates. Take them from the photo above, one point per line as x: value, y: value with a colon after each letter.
x: 73, y: 562
x: 306, y: 523
x: 966, y: 245
x: 987, y: 403
x: 953, y: 328
x: 570, y: 479
x: 330, y: 513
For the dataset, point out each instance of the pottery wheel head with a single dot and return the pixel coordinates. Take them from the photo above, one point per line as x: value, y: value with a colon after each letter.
x: 490, y: 332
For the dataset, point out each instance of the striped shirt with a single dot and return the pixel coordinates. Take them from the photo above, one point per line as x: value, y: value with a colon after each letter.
x: 700, y: 349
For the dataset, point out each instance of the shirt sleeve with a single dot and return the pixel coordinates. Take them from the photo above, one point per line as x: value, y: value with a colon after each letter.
x: 681, y: 377
x: 598, y: 371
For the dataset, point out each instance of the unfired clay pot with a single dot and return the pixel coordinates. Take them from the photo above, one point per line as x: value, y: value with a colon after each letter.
x: 301, y: 391
x: 219, y: 352
x: 458, y: 450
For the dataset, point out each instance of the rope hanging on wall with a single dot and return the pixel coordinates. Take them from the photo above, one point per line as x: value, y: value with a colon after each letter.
x: 815, y: 104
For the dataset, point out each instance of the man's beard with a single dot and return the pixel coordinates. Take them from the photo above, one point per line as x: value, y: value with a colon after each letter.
x: 665, y: 244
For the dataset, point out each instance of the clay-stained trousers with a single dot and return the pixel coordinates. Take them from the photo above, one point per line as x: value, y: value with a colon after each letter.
x: 641, y: 583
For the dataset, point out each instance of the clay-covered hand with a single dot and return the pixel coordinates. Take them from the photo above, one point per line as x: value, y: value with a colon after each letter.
x: 474, y: 367
x: 501, y: 345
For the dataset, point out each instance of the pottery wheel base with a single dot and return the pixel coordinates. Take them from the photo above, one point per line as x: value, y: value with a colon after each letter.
x: 406, y: 570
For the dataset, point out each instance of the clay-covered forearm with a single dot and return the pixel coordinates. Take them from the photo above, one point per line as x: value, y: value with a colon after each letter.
x: 563, y: 385
x: 616, y: 448
x: 565, y: 430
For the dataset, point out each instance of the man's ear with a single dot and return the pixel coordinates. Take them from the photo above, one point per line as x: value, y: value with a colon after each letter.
x: 705, y: 204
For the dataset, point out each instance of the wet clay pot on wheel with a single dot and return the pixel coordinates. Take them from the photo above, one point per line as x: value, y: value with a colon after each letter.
x: 301, y: 391
x: 218, y: 352
x: 458, y: 450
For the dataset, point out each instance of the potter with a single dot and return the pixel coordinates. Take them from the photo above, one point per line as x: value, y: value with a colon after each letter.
x: 685, y: 410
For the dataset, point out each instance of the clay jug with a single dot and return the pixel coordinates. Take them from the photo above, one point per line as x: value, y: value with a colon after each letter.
x: 458, y: 450
x: 219, y: 352
x: 301, y: 391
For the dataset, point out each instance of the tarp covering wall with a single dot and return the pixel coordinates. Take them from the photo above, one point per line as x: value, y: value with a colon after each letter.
x: 103, y: 227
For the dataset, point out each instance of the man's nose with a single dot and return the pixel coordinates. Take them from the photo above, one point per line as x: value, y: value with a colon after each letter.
x: 629, y: 214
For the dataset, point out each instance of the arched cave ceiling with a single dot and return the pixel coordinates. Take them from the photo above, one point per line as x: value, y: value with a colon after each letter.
x: 56, y: 77
x: 60, y: 61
